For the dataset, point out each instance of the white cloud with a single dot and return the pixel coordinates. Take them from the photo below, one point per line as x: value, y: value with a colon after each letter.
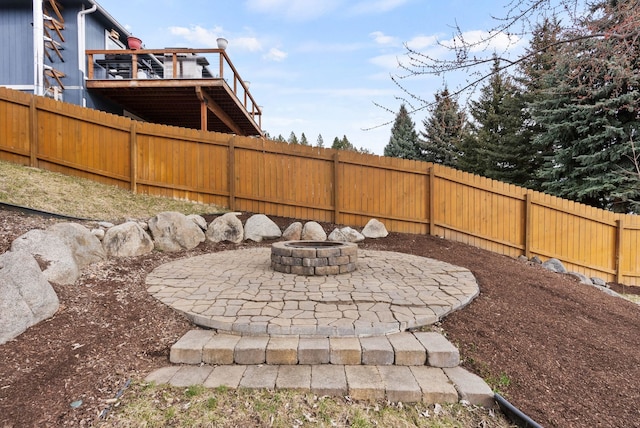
x: 250, y: 44
x: 293, y: 10
x: 320, y: 47
x: 382, y: 39
x: 198, y: 35
x: 482, y: 41
x: 422, y: 42
x: 377, y: 6
x: 276, y: 55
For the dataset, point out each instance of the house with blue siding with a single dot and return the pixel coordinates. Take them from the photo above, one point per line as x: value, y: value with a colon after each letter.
x: 74, y: 51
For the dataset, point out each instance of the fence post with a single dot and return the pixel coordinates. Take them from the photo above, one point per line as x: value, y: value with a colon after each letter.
x: 432, y: 198
x: 33, y: 133
x: 527, y: 225
x: 231, y: 168
x: 619, y: 231
x: 336, y: 181
x: 133, y: 143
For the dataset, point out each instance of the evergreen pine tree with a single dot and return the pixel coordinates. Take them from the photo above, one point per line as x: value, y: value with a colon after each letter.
x: 320, y: 141
x: 403, y: 142
x: 590, y: 115
x: 445, y: 129
x: 293, y: 139
x: 303, y: 140
x: 342, y: 144
x: 501, y: 146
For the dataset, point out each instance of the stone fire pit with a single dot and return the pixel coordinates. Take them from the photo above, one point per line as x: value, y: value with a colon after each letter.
x: 314, y: 257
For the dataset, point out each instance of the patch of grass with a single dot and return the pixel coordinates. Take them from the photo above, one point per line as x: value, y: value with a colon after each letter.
x: 158, y: 406
x: 78, y: 197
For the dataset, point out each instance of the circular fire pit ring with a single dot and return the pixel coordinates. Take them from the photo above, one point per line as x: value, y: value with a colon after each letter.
x: 314, y: 257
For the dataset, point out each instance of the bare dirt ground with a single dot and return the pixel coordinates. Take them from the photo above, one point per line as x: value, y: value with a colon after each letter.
x: 566, y: 354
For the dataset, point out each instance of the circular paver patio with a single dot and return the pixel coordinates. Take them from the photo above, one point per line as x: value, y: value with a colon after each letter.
x: 237, y: 291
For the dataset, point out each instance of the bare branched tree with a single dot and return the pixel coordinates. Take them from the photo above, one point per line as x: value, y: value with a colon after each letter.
x: 473, y: 56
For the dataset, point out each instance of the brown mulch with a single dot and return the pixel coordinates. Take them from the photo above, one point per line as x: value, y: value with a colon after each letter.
x: 566, y: 354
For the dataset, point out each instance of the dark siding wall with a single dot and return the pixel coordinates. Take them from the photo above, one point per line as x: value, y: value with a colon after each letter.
x: 16, y: 49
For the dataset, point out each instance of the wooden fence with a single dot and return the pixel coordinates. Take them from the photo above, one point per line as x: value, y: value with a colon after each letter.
x: 256, y: 175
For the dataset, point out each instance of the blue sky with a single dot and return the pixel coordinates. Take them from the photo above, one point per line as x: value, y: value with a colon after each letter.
x: 315, y: 66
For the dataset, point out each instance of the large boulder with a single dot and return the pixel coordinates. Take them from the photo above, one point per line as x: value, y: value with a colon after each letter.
x: 554, y: 265
x: 227, y: 227
x: 127, y: 240
x: 173, y: 231
x: 345, y: 234
x: 199, y: 220
x: 374, y: 229
x: 293, y: 232
x: 54, y: 256
x: 259, y: 227
x: 26, y: 298
x: 312, y: 231
x: 84, y: 245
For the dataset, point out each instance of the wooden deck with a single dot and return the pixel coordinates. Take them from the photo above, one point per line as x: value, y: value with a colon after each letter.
x: 176, y: 87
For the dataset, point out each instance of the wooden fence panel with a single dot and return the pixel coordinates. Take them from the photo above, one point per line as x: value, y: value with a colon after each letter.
x: 307, y: 183
x: 14, y: 127
x: 480, y: 212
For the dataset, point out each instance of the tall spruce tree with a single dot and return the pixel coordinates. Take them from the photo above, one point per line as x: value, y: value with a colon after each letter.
x: 293, y: 139
x: 539, y: 60
x: 303, y: 140
x: 403, y: 142
x: 500, y: 147
x: 444, y: 131
x: 590, y: 116
x: 320, y: 141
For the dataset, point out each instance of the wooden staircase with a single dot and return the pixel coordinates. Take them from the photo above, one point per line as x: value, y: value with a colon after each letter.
x: 54, y: 45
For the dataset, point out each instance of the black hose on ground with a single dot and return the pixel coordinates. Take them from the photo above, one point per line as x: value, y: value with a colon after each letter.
x: 514, y: 414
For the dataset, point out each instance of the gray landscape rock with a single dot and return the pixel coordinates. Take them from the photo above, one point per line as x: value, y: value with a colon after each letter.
x: 98, y: 233
x: 259, y: 227
x: 85, y: 247
x: 199, y: 220
x: 582, y: 278
x: 173, y: 231
x: 227, y: 227
x: 523, y: 258
x: 598, y: 281
x: 352, y: 235
x: 536, y: 260
x: 293, y: 232
x: 312, y: 231
x: 26, y: 298
x: 52, y: 253
x: 337, y: 236
x: 554, y: 265
x: 374, y: 229
x: 127, y: 240
x: 105, y: 224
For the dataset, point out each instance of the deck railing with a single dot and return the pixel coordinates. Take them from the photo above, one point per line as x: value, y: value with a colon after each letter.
x: 172, y: 63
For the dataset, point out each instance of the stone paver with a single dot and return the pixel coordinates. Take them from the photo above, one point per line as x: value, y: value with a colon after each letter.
x: 313, y: 350
x: 228, y: 376
x: 365, y: 382
x: 220, y: 349
x: 282, y: 350
x: 328, y: 379
x: 294, y: 377
x: 440, y: 352
x: 345, y: 350
x: 188, y: 350
x: 191, y: 375
x: 408, y: 350
x: 435, y: 385
x: 400, y: 384
x: 376, y: 350
x: 251, y: 350
x: 262, y: 376
x: 226, y: 291
x: 470, y: 387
